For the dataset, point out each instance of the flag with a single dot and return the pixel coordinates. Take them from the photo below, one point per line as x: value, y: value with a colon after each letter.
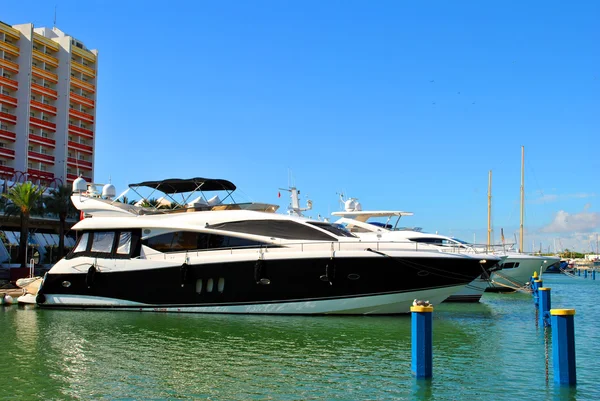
x: 279, y: 194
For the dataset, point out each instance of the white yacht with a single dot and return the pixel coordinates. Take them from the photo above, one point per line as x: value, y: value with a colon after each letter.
x: 201, y: 254
x: 362, y: 224
x: 513, y: 272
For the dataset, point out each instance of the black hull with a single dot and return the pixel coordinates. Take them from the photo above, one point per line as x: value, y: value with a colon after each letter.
x: 261, y: 282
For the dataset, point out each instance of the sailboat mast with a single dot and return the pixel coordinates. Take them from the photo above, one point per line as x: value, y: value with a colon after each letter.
x: 521, y: 249
x: 489, y: 231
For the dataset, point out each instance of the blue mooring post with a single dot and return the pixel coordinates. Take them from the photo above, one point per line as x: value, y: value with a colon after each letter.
x: 593, y: 274
x: 563, y: 346
x: 536, y: 295
x: 532, y: 283
x: 422, y: 344
x: 585, y: 273
x: 578, y: 272
x: 545, y: 305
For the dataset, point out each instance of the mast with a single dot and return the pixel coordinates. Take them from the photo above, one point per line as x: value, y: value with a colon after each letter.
x: 489, y: 231
x: 522, y: 198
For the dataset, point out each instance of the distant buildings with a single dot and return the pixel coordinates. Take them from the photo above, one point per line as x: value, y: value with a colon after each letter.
x: 47, y: 105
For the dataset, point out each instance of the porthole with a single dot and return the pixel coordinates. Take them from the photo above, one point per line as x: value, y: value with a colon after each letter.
x: 221, y: 284
x: 209, y: 285
x: 199, y: 286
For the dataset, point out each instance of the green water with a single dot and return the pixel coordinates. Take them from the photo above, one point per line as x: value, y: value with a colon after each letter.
x: 490, y: 350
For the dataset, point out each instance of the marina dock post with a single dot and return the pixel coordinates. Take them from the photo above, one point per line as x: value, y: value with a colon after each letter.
x: 545, y: 305
x: 563, y: 346
x: 585, y: 274
x: 578, y: 271
x: 593, y: 274
x: 422, y: 344
x: 536, y: 293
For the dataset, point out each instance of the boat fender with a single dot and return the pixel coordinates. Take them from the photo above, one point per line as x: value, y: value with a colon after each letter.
x: 184, y: 273
x: 259, y: 272
x: 90, y: 276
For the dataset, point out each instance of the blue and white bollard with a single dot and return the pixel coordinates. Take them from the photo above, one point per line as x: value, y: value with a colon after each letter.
x: 563, y: 346
x: 536, y: 296
x: 545, y: 305
x: 422, y: 341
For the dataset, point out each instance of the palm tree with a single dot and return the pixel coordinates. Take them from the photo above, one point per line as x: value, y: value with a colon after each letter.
x: 59, y: 203
x: 25, y: 198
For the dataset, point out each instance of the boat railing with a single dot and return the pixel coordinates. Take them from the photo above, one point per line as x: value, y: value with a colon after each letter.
x: 319, y: 246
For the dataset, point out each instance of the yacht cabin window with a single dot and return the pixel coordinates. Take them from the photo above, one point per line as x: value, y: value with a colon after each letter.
x: 102, y: 242
x: 82, y: 243
x: 124, y: 245
x: 275, y: 229
x: 194, y: 241
x: 336, y: 229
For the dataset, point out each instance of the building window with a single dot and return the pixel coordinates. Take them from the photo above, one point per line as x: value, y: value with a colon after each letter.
x: 44, y: 135
x: 72, y: 123
x: 2, y: 163
x: 43, y: 168
x: 45, y: 118
x: 32, y: 97
x: 44, y: 151
x: 46, y: 85
x: 81, y: 157
x: 31, y: 113
x: 34, y: 80
x: 31, y: 131
x: 69, y: 171
x: 30, y: 148
x: 2, y: 145
x: 4, y: 127
x: 70, y: 154
x: 70, y: 138
x: 29, y: 165
x: 6, y: 75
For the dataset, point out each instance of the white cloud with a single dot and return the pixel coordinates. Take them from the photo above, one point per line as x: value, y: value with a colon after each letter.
x: 579, y: 222
x: 547, y: 198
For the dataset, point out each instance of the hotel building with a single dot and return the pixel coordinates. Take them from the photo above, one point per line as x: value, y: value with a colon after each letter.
x: 47, y: 105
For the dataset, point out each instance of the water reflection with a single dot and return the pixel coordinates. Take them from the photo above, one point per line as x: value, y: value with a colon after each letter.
x: 486, y: 351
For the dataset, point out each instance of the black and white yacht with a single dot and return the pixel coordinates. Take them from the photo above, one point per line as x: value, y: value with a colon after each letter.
x: 201, y: 254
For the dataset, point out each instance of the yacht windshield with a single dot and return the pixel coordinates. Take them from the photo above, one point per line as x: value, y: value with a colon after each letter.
x: 334, y: 228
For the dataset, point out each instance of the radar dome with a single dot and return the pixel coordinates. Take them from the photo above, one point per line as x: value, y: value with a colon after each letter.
x: 349, y: 205
x: 109, y: 191
x: 357, y: 206
x: 79, y: 185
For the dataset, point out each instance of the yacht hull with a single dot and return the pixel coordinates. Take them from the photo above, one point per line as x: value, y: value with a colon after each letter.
x: 352, y: 285
x: 510, y: 279
x: 472, y: 292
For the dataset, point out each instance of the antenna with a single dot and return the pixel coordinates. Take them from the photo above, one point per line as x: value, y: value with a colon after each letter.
x: 54, y: 26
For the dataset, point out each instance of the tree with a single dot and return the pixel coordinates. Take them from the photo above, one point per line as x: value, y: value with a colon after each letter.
x: 59, y: 203
x: 24, y: 198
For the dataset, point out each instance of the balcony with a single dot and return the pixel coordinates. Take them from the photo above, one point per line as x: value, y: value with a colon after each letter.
x: 41, y: 140
x: 5, y: 99
x: 5, y: 152
x: 42, y: 124
x: 9, y: 82
x: 81, y: 131
x: 52, y: 61
x: 79, y: 163
x: 50, y: 76
x: 9, y: 31
x: 40, y: 157
x: 11, y: 118
x: 9, y: 48
x: 44, y: 91
x: 4, y: 134
x: 81, y: 115
x: 73, y: 177
x: 43, y: 107
x: 34, y: 173
x: 86, y: 54
x: 81, y: 147
x: 42, y: 40
x: 82, y: 100
x: 7, y: 170
x: 9, y: 65
x: 83, y: 85
x: 83, y: 69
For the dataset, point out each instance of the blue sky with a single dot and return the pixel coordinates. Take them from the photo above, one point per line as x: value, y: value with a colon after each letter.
x: 404, y: 105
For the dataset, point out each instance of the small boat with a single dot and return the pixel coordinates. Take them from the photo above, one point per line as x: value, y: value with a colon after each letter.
x: 200, y: 254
